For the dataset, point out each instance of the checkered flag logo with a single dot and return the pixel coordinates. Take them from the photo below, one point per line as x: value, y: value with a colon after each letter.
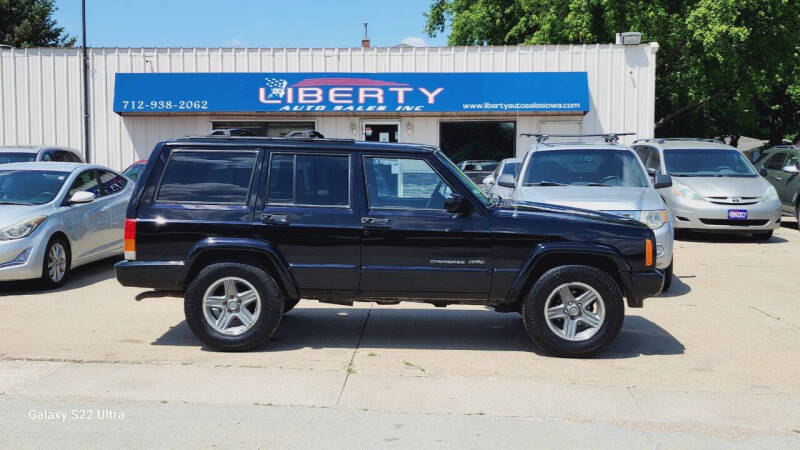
x: 277, y: 87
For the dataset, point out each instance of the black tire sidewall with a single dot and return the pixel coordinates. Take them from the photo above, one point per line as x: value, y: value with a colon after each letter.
x: 46, y: 281
x: 533, y: 312
x: 259, y: 333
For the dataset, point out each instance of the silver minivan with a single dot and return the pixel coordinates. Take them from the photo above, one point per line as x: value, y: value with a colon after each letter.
x: 600, y: 176
x: 715, y: 187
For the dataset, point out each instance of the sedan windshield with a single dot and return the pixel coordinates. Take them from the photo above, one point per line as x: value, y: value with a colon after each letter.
x: 511, y: 168
x: 707, y: 163
x: 8, y: 157
x: 617, y: 168
x: 30, y: 187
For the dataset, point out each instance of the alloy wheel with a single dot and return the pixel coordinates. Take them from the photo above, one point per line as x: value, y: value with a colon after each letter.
x: 231, y: 305
x: 56, y: 262
x: 574, y: 311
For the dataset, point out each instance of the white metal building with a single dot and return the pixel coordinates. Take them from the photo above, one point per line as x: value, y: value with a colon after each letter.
x: 41, y: 92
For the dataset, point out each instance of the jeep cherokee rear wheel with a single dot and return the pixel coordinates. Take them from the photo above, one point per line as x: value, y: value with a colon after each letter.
x: 233, y: 306
x: 573, y: 311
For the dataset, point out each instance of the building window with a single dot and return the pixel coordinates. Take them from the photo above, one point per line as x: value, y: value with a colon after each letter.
x: 485, y: 140
x: 271, y: 129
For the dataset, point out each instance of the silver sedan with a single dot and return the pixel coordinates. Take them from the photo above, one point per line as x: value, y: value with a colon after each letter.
x: 57, y: 216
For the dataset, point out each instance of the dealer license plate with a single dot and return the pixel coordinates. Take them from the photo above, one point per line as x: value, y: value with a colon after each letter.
x: 737, y: 214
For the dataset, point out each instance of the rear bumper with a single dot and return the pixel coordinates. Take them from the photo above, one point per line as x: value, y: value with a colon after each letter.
x: 641, y: 285
x: 163, y: 275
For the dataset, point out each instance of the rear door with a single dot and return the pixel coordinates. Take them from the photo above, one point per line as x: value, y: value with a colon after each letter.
x: 115, y: 195
x: 410, y: 244
x: 306, y: 210
x: 790, y: 185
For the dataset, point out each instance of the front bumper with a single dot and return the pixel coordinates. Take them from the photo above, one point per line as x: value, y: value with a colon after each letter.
x: 25, y: 268
x: 704, y: 215
x: 664, y: 237
x: 641, y: 285
x: 162, y: 275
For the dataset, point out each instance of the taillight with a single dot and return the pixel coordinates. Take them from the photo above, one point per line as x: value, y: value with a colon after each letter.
x: 648, y: 248
x: 130, y: 239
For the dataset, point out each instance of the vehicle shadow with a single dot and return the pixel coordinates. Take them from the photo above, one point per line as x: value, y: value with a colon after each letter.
x: 82, y: 276
x: 430, y: 330
x: 678, y: 288
x: 793, y: 224
x: 728, y: 238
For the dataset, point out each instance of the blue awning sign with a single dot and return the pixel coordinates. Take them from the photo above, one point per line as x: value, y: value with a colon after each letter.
x: 352, y: 92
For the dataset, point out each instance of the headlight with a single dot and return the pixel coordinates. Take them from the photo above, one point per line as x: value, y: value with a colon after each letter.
x: 770, y: 194
x: 21, y: 229
x: 654, y: 219
x: 685, y: 192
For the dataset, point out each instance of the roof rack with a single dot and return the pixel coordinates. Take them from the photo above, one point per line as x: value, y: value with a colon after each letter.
x: 611, y: 138
x: 662, y: 140
x: 268, y: 138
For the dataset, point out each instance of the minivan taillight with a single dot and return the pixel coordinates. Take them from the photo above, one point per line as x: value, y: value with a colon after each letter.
x: 130, y: 239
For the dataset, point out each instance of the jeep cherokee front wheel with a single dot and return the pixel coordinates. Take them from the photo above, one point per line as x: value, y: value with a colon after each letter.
x: 233, y: 306
x: 573, y: 311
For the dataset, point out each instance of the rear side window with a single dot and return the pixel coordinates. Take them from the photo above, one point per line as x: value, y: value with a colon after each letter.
x: 314, y: 180
x: 209, y: 177
x: 112, y: 183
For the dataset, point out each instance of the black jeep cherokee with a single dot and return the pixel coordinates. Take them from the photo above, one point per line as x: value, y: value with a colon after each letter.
x: 246, y: 227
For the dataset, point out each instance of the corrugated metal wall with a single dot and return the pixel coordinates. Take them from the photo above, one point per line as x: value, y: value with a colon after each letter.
x: 40, y: 89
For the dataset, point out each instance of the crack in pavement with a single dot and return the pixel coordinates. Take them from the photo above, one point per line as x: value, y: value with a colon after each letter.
x: 349, y: 369
x: 791, y: 324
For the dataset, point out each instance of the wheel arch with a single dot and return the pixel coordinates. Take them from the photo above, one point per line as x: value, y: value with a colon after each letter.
x: 550, y: 255
x: 248, y: 251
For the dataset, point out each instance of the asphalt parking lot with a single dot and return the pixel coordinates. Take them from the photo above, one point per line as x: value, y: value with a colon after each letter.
x: 714, y: 362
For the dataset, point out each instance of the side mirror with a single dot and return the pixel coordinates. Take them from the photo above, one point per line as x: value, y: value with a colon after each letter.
x: 791, y: 169
x: 651, y: 171
x: 662, y: 181
x: 457, y: 204
x: 506, y: 180
x: 81, y: 197
x: 763, y: 172
x: 488, y: 180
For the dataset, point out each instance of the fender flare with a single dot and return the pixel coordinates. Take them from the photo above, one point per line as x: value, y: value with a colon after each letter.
x: 537, y: 255
x: 248, y: 245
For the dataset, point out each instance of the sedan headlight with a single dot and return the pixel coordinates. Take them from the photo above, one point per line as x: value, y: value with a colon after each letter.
x: 22, y: 229
x: 770, y: 194
x: 685, y: 192
x: 654, y: 219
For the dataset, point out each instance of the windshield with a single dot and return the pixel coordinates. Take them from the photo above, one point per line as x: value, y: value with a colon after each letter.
x: 30, y: 187
x: 16, y: 157
x: 707, y: 163
x: 511, y: 168
x: 134, y: 171
x: 607, y: 167
x: 464, y: 178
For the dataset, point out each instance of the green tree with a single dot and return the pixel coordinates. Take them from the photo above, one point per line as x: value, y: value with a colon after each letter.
x: 29, y: 23
x: 725, y: 67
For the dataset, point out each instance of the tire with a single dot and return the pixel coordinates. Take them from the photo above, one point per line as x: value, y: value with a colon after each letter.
x: 764, y: 236
x: 58, y: 248
x: 668, y: 277
x: 289, y: 304
x: 238, y: 336
x: 585, y: 341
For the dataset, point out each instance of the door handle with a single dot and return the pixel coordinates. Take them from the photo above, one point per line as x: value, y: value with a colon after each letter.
x: 375, y: 222
x: 276, y: 219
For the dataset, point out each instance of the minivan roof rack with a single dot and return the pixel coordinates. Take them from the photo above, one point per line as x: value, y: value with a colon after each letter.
x: 696, y: 139
x: 611, y: 138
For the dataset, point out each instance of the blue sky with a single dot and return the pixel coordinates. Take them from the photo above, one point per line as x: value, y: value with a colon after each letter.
x: 244, y: 23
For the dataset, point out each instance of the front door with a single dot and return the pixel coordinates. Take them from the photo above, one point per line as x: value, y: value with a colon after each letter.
x: 88, y: 220
x: 410, y: 244
x: 307, y: 213
x: 381, y: 131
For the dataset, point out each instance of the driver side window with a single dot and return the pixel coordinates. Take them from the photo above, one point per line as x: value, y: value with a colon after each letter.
x: 86, y: 181
x: 404, y: 183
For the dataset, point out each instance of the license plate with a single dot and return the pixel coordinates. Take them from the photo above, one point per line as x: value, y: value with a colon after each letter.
x: 737, y: 214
